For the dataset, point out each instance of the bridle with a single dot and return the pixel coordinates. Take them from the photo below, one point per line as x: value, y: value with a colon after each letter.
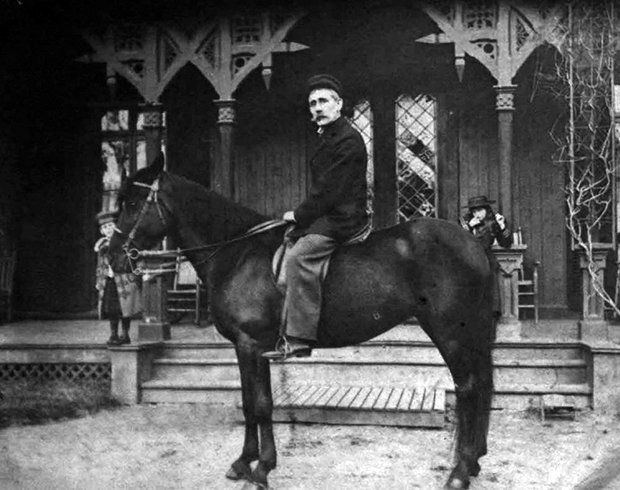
x: 152, y: 197
x: 134, y: 254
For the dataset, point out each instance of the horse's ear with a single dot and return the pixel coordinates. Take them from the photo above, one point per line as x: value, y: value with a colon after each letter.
x: 158, y: 164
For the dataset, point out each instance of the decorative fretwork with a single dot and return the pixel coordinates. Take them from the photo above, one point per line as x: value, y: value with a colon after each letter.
x: 170, y: 51
x: 128, y: 38
x: 416, y: 162
x: 246, y: 29
x: 225, y: 51
x: 239, y: 61
x: 480, y: 15
x: 500, y: 34
x: 522, y: 34
x: 56, y: 371
x: 207, y: 47
x: 362, y: 120
x: 135, y: 67
x: 488, y: 47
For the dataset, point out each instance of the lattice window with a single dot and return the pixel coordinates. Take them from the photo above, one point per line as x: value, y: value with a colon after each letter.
x: 56, y: 371
x: 363, y: 122
x: 123, y: 150
x: 416, y: 161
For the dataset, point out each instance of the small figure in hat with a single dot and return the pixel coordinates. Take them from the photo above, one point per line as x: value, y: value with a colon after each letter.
x: 488, y: 227
x: 334, y: 211
x: 119, y: 289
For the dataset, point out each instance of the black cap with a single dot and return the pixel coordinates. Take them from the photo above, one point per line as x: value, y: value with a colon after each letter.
x: 324, y: 80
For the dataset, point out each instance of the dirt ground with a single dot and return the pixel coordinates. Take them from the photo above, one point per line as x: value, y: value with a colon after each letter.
x: 192, y: 446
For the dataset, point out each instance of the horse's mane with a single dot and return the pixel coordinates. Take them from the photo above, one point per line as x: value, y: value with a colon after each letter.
x: 197, y: 205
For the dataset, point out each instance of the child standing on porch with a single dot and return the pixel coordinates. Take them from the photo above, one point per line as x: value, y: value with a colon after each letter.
x: 119, y: 288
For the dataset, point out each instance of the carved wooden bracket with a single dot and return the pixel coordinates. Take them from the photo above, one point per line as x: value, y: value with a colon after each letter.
x: 501, y: 34
x: 225, y: 50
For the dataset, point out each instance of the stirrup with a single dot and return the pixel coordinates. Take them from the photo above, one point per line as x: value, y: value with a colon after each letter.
x: 284, y: 350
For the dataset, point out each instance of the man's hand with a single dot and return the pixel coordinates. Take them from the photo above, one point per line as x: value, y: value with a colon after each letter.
x: 501, y: 221
x: 289, y: 216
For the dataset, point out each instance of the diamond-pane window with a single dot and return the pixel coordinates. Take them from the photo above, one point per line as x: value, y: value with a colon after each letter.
x: 123, y: 149
x: 416, y: 160
x: 362, y: 121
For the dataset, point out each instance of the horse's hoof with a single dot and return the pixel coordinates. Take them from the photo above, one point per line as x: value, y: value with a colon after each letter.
x: 239, y: 471
x: 250, y: 485
x: 456, y: 483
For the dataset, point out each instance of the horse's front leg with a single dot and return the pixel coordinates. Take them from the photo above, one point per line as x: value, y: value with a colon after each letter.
x: 263, y: 410
x: 257, y: 409
x: 240, y: 469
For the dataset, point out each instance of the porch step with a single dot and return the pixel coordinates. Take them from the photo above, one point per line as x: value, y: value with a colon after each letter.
x: 373, y: 372
x: 514, y: 397
x: 361, y: 405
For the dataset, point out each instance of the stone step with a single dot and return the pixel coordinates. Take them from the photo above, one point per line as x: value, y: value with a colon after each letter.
x: 371, y: 372
x: 406, y: 351
x: 513, y: 397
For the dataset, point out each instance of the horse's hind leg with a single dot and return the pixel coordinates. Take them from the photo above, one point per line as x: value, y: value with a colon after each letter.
x: 470, y: 363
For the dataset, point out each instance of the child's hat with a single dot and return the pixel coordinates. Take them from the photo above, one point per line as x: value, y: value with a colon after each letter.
x: 106, y: 217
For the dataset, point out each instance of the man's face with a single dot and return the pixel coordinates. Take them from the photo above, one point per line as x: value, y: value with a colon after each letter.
x: 325, y: 106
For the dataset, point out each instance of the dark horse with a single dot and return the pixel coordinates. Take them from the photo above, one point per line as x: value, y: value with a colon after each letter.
x: 427, y: 268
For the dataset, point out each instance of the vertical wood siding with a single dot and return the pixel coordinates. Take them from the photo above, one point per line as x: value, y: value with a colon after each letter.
x: 271, y: 166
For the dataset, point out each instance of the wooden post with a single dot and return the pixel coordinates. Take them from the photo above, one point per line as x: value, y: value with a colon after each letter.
x: 510, y: 261
x: 152, y: 130
x: 505, y: 109
x: 592, y: 327
x: 223, y: 171
x: 155, y: 325
x: 386, y: 199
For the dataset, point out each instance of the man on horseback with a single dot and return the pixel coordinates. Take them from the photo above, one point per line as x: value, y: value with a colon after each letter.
x: 334, y: 211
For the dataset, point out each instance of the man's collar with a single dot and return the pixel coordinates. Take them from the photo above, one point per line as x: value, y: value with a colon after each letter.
x: 331, y: 128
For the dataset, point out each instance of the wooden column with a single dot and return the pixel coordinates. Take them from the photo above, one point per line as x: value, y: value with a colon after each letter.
x: 592, y: 326
x: 152, y: 130
x: 505, y: 110
x: 154, y: 325
x: 385, y: 155
x: 223, y: 171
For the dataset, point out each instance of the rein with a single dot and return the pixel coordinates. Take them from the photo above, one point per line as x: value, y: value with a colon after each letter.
x: 135, y: 254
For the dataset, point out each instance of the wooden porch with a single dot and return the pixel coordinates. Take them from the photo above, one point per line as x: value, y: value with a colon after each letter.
x: 396, y: 379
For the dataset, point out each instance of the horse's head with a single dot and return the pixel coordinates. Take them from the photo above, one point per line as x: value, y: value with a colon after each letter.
x: 145, y: 216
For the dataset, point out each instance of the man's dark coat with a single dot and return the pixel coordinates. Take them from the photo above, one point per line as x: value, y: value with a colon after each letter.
x: 336, y: 204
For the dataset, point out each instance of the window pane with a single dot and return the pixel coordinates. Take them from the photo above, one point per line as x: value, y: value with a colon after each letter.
x: 115, y: 157
x: 140, y: 121
x: 115, y: 121
x: 416, y: 162
x: 362, y: 121
x: 140, y: 154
